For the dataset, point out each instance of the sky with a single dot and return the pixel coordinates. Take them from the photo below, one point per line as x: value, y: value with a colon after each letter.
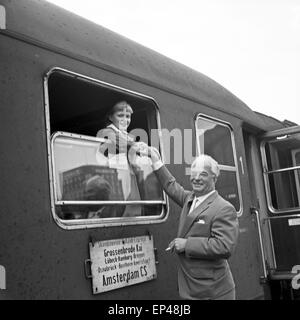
x: 251, y: 47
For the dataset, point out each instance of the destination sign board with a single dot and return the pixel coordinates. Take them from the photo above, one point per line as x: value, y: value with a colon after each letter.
x: 121, y: 262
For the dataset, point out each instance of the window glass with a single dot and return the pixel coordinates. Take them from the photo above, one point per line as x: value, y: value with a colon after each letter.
x: 284, y: 189
x: 216, y: 140
x: 281, y: 163
x: 83, y: 173
x: 227, y: 187
x: 279, y: 152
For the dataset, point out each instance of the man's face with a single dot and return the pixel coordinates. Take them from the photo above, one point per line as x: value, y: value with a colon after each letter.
x: 202, y: 180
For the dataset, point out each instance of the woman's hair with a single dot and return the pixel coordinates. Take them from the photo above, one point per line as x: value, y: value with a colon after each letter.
x: 119, y: 106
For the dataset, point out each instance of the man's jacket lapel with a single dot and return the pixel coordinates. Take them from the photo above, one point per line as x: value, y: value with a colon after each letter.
x: 184, y: 213
x: 189, y: 219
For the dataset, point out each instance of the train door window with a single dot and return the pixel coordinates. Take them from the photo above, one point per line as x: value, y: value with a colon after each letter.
x: 215, y: 138
x: 93, y: 181
x: 281, y: 160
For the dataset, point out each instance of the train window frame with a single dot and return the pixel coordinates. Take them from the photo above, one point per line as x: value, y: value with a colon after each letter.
x: 297, y: 176
x: 267, y: 173
x: 226, y: 168
x: 70, y: 224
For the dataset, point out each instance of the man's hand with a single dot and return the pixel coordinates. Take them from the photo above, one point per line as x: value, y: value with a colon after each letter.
x: 171, y: 246
x: 177, y: 245
x: 154, y: 154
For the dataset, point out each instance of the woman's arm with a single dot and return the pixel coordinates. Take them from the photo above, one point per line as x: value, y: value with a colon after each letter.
x: 111, y: 144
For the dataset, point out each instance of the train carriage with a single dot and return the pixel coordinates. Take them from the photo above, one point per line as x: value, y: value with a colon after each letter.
x: 59, y: 74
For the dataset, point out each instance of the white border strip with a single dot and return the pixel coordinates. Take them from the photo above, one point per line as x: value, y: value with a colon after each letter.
x: 2, y: 18
x: 294, y: 222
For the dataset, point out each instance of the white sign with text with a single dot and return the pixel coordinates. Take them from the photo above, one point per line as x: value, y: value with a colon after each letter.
x: 122, y: 262
x: 2, y: 278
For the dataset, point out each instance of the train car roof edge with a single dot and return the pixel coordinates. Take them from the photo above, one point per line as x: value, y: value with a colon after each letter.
x: 62, y: 29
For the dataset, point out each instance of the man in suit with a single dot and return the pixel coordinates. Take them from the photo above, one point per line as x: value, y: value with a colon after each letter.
x: 207, y: 233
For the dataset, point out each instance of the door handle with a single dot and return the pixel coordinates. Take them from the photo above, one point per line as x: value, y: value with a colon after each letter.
x: 255, y: 211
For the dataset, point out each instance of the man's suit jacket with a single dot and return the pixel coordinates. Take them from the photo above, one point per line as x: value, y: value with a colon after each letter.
x: 211, y: 230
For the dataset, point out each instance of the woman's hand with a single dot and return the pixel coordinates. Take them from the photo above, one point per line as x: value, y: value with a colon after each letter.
x: 142, y: 148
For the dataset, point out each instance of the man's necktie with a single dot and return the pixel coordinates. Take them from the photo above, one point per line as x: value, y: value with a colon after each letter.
x: 194, y: 205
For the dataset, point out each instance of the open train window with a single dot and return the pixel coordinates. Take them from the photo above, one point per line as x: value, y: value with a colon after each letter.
x: 281, y: 161
x: 215, y: 138
x: 89, y: 187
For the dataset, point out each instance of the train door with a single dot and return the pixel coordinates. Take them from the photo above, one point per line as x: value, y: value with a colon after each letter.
x: 257, y: 209
x: 280, y: 154
x: 223, y: 141
x: 247, y: 261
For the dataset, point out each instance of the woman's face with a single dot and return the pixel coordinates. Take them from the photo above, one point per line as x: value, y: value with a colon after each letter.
x: 121, y: 119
